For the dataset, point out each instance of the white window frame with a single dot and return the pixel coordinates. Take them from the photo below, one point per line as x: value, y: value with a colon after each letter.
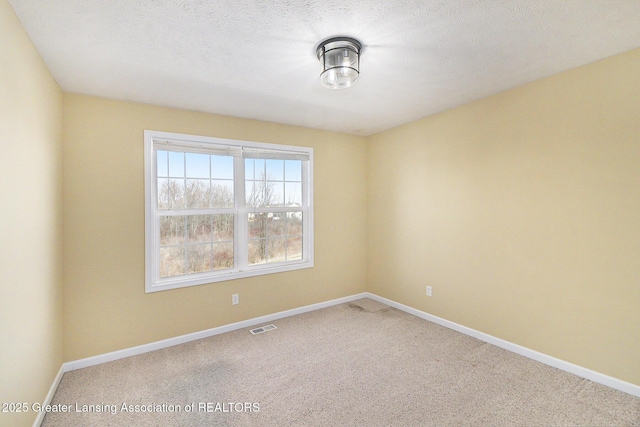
x: 153, y: 281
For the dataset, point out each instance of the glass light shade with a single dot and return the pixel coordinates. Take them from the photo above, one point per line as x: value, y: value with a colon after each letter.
x: 340, y: 59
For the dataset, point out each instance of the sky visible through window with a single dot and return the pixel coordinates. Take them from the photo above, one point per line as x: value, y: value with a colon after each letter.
x: 173, y: 164
x: 268, y: 182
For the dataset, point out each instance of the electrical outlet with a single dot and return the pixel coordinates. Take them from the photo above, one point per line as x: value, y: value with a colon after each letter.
x: 235, y: 299
x: 428, y: 291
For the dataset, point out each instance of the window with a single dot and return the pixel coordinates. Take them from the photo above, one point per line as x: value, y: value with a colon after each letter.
x: 220, y: 209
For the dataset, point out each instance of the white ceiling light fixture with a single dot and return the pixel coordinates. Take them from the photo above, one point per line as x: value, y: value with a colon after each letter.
x: 340, y: 59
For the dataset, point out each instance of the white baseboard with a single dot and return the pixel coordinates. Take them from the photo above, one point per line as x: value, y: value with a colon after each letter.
x: 47, y: 399
x: 580, y: 371
x: 145, y: 348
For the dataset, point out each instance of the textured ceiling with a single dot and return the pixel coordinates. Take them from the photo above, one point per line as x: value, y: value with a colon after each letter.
x: 256, y: 59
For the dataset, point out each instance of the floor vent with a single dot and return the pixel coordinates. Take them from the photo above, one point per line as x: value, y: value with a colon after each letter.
x: 262, y: 329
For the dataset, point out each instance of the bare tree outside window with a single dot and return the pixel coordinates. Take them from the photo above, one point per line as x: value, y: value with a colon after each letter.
x: 273, y: 236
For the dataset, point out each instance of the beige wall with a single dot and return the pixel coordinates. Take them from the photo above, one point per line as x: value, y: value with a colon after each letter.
x: 522, y: 211
x: 30, y: 221
x: 106, y: 308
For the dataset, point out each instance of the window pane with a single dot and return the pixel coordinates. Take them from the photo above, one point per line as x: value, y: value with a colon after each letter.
x: 294, y: 248
x: 276, y: 224
x: 275, y: 170
x: 276, y: 249
x: 175, y: 194
x: 176, y: 164
x: 274, y: 193
x: 222, y: 194
x: 163, y: 193
x: 294, y: 223
x: 222, y: 167
x: 259, y: 169
x: 162, y: 163
x: 197, y: 193
x: 249, y: 169
x: 199, y: 228
x: 293, y: 170
x: 257, y: 251
x: 254, y: 169
x: 222, y: 227
x: 199, y: 258
x: 197, y: 165
x: 260, y: 194
x: 257, y: 225
x: 293, y: 193
x: 264, y: 193
x: 172, y: 261
x: 250, y: 194
x: 172, y: 229
x: 222, y: 256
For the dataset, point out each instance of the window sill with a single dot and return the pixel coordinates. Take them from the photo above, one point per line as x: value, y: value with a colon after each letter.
x: 203, y: 279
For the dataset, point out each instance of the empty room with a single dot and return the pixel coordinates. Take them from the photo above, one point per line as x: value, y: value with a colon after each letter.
x: 340, y: 213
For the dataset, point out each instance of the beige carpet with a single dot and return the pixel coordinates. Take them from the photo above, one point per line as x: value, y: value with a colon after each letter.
x: 356, y: 364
